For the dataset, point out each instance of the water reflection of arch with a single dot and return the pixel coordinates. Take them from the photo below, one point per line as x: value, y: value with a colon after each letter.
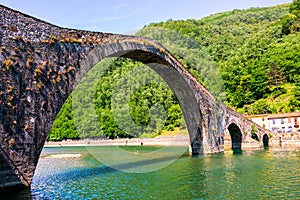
x: 236, y: 136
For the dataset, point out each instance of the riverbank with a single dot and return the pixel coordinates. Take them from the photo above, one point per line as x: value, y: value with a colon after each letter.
x: 170, y: 140
x: 176, y: 140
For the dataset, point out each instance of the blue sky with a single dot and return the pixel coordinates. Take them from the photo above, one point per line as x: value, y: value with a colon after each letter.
x: 123, y: 16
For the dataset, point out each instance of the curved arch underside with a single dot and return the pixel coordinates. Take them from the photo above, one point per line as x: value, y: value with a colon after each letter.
x: 180, y: 81
x: 179, y: 84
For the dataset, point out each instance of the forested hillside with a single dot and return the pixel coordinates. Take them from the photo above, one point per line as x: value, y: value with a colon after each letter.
x: 250, y: 59
x: 255, y: 51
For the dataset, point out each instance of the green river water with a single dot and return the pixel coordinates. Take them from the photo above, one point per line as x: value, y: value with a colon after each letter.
x: 251, y: 174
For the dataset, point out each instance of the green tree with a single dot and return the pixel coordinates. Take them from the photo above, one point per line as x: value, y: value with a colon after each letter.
x: 275, y: 77
x: 291, y: 22
x: 295, y: 7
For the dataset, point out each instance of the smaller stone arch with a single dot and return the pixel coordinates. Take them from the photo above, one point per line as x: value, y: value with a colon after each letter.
x: 236, y: 136
x: 254, y: 136
x: 265, y: 140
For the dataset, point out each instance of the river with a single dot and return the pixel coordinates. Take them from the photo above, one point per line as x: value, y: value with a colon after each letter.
x: 253, y: 174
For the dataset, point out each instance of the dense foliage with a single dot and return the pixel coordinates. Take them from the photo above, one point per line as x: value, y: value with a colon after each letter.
x: 255, y: 51
x: 248, y: 58
x: 118, y: 98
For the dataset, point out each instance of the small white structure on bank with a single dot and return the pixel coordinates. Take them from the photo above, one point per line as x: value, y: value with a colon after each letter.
x: 281, y: 123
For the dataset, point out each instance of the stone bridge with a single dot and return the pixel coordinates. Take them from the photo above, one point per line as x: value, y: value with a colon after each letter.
x: 40, y: 65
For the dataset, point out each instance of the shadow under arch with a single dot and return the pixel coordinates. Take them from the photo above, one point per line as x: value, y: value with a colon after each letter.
x: 265, y: 140
x: 236, y: 136
x: 255, y: 136
x: 180, y: 81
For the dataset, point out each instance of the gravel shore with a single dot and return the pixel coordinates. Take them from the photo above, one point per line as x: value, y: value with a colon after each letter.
x: 177, y: 140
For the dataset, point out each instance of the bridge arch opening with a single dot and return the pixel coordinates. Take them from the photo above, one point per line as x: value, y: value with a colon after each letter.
x: 254, y: 136
x: 236, y: 136
x: 265, y: 140
x: 179, y: 80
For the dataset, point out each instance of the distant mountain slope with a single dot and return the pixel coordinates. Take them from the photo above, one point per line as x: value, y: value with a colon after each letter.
x: 254, y: 51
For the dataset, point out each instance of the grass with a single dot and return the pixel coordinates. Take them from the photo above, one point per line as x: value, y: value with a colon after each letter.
x: 165, y: 133
x: 177, y: 131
